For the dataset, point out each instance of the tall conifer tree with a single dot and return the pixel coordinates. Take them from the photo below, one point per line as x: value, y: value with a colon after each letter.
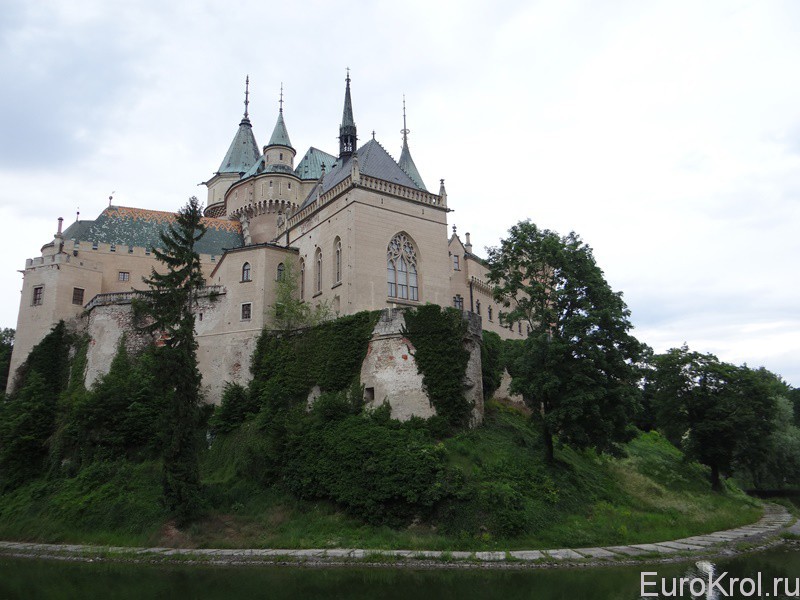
x: 169, y: 303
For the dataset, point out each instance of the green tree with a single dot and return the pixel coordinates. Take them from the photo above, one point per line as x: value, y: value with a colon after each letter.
x: 719, y: 414
x: 169, y: 305
x: 6, y: 346
x: 289, y: 312
x: 577, y: 368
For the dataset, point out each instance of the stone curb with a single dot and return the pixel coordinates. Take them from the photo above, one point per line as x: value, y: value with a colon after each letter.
x: 775, y: 519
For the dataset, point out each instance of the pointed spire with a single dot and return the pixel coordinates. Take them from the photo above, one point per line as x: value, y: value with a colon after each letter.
x: 243, y: 151
x: 280, y: 136
x: 347, y: 130
x: 406, y: 162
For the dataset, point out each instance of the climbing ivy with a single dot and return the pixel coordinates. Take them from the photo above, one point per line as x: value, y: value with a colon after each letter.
x: 438, y: 338
x: 287, y: 365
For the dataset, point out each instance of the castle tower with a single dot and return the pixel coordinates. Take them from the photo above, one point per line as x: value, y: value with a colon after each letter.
x: 406, y: 162
x: 270, y: 190
x: 242, y: 155
x: 347, y: 130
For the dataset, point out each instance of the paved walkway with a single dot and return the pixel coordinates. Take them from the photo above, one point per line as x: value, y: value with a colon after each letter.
x: 776, y: 519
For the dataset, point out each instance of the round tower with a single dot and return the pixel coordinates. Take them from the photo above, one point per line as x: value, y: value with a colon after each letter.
x: 270, y: 190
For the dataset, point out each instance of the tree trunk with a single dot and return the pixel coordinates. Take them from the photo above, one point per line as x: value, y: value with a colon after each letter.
x: 716, y: 482
x: 548, y: 442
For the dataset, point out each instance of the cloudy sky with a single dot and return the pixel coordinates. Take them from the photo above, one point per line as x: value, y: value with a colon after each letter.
x: 666, y: 133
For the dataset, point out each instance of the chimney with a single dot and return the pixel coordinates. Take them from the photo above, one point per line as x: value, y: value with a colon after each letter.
x: 60, y: 224
x: 468, y: 245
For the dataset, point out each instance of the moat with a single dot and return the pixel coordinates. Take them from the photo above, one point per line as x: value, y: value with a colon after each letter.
x: 31, y: 578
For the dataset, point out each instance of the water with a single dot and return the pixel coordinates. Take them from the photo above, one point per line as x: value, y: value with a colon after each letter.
x: 27, y: 578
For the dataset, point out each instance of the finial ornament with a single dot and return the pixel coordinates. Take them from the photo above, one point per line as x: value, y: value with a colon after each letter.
x: 405, y: 131
x: 454, y: 229
x: 373, y: 134
x: 246, y: 95
x: 281, y: 100
x: 348, y: 75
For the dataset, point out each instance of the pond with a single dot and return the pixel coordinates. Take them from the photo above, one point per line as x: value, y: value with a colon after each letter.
x: 29, y: 578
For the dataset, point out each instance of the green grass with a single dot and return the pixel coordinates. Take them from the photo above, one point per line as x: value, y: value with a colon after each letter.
x: 504, y: 496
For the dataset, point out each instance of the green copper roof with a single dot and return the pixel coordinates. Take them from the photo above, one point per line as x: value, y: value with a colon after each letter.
x: 407, y: 164
x: 310, y: 166
x: 243, y: 152
x: 280, y: 137
x: 141, y: 227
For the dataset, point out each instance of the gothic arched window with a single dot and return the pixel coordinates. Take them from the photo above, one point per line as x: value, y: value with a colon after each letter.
x: 337, y: 260
x: 318, y: 278
x: 281, y: 269
x: 246, y: 272
x: 478, y: 306
x: 401, y: 268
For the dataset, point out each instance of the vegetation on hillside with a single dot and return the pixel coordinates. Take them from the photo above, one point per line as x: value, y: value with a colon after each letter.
x: 295, y: 458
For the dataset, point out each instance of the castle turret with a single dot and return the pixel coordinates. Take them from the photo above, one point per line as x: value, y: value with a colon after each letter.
x: 406, y: 162
x: 279, y: 150
x: 242, y: 155
x: 347, y: 130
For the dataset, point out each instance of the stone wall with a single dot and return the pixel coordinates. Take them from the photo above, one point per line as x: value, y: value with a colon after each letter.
x: 389, y: 372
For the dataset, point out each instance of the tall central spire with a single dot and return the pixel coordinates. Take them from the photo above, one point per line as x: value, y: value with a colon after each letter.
x: 347, y: 130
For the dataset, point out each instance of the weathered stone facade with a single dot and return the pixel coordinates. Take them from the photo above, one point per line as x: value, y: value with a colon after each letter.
x: 360, y: 230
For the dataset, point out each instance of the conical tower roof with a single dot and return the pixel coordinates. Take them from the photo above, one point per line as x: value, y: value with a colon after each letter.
x: 406, y: 162
x: 280, y: 136
x: 243, y: 151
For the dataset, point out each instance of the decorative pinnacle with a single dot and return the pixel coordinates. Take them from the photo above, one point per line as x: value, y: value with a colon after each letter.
x: 281, y: 100
x: 246, y: 95
x: 405, y: 131
x: 348, y: 75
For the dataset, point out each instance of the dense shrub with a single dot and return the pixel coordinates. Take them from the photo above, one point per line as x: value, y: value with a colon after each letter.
x: 380, y: 470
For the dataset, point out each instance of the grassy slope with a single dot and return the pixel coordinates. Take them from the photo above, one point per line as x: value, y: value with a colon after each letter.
x: 510, y: 499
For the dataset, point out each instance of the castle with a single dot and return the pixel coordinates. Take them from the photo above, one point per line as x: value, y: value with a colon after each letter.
x: 360, y: 229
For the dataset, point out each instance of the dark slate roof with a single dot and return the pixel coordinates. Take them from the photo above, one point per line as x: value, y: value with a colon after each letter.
x: 243, y: 152
x: 407, y: 164
x: 262, y: 167
x: 373, y: 160
x: 310, y: 166
x: 280, y: 137
x: 141, y: 227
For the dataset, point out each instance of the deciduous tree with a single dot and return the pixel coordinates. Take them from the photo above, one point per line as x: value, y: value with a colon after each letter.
x: 577, y: 368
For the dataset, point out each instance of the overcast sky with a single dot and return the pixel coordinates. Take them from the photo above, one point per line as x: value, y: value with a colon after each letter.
x: 665, y: 133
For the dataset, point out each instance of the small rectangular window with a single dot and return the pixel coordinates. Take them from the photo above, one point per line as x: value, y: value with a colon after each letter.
x: 124, y: 276
x: 113, y: 248
x: 94, y: 245
x: 247, y: 310
x: 130, y: 249
x: 77, y: 296
x: 147, y: 251
x: 455, y: 262
x: 38, y: 294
